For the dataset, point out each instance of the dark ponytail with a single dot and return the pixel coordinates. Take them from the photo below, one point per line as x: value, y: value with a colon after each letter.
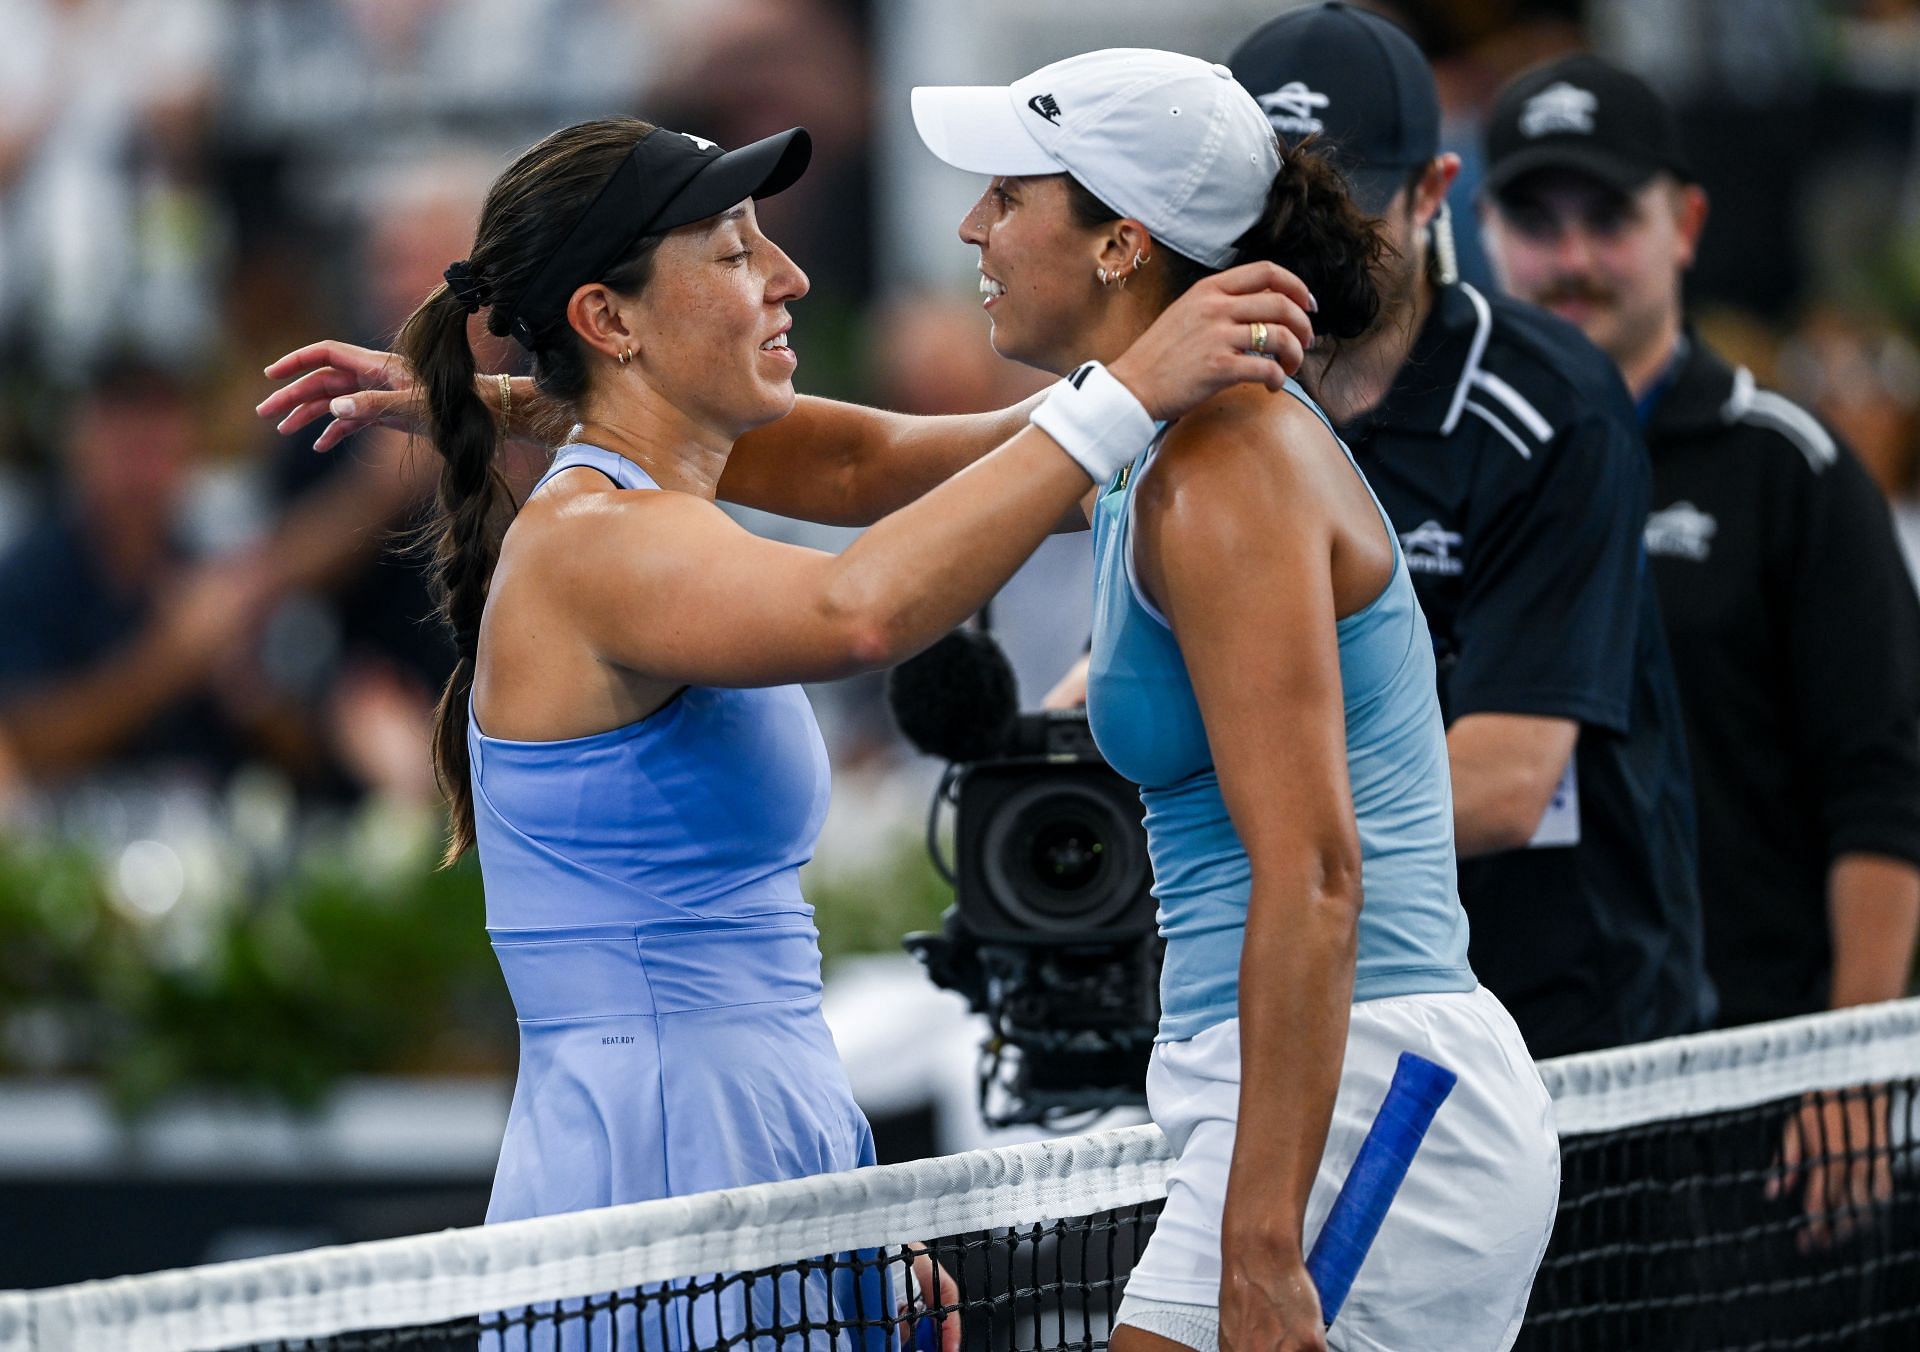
x: 1313, y: 227
x: 474, y: 507
x: 527, y: 214
x: 1310, y: 226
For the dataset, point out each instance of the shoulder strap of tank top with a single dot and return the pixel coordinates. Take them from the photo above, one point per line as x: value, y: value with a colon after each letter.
x: 1294, y: 388
x: 616, y: 467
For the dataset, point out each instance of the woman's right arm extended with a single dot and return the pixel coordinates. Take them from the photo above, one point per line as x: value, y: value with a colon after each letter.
x: 673, y: 589
x: 836, y: 463
x: 831, y: 462
x: 846, y: 465
x: 668, y: 586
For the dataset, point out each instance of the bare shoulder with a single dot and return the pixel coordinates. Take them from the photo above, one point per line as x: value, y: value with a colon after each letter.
x: 566, y: 533
x: 1246, y: 446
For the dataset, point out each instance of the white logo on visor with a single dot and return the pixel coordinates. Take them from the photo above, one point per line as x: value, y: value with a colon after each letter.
x: 1291, y: 108
x: 700, y: 141
x: 1559, y: 107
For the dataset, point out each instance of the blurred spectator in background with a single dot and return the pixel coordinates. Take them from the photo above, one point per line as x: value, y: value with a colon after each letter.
x: 340, y: 84
x: 115, y: 641
x: 738, y: 70
x: 1862, y: 376
x: 108, y: 238
x: 1794, y: 625
x: 1474, y: 48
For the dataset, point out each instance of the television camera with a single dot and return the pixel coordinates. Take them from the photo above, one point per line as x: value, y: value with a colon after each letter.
x: 1052, y: 934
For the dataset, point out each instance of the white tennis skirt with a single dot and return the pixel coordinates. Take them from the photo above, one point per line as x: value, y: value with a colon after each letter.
x: 1455, y: 1258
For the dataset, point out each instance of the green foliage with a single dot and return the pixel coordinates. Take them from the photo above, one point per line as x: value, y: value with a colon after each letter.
x: 353, y: 959
x: 869, y: 909
x: 354, y: 954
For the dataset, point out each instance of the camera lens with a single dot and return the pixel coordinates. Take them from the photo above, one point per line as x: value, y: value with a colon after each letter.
x: 1066, y: 854
x: 1061, y: 858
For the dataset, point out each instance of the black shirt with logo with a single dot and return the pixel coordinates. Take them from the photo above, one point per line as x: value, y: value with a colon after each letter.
x: 1796, y: 638
x: 1507, y: 456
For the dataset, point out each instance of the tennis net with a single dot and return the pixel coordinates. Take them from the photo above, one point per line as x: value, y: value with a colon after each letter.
x: 1752, y: 1190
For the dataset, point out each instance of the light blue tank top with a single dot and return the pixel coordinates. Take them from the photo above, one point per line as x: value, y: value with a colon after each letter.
x: 1413, y: 932
x: 702, y: 811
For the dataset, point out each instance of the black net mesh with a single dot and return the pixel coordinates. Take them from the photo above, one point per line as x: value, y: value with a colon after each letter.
x: 1050, y: 1287
x: 1791, y: 1225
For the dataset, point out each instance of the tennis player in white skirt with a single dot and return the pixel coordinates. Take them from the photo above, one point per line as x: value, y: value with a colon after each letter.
x: 1261, y: 669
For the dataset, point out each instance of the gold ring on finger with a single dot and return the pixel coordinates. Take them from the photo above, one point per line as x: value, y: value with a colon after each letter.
x: 1258, y: 331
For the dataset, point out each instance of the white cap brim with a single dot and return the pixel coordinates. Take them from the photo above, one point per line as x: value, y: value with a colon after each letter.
x: 976, y: 128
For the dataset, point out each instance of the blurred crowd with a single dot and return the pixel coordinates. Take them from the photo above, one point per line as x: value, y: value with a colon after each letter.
x: 189, y: 188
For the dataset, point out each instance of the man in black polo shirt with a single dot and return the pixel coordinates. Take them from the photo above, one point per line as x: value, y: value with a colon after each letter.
x: 1504, y: 449
x: 1793, y: 622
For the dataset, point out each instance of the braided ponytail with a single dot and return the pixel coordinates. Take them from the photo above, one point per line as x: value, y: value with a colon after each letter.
x: 474, y: 508
x: 528, y: 212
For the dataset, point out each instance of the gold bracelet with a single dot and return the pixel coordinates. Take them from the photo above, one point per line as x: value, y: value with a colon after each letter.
x: 506, y: 404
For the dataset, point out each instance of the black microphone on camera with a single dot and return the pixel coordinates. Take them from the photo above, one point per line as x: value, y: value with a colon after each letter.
x: 957, y: 700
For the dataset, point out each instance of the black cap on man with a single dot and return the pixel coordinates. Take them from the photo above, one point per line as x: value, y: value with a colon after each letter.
x: 1584, y: 114
x: 1354, y: 79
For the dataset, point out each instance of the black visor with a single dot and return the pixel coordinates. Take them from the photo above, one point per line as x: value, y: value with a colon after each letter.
x: 671, y: 179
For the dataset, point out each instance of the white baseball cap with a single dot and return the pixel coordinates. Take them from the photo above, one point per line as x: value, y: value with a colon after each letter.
x: 1174, y: 142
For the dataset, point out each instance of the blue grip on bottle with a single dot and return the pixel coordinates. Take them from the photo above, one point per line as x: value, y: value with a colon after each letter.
x: 1419, y: 1087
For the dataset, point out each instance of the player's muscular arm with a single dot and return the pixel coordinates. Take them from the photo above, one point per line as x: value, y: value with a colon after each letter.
x: 668, y: 587
x: 1505, y: 769
x: 840, y: 464
x: 1227, y: 510
x: 846, y: 465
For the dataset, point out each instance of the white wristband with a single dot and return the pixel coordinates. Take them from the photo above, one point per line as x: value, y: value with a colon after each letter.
x: 1096, y: 420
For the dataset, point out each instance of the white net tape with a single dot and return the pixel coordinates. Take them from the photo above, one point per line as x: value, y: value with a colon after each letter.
x: 1738, y: 1068
x: 428, y: 1279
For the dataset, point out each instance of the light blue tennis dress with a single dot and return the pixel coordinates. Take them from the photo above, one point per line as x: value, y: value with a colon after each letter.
x: 643, y: 898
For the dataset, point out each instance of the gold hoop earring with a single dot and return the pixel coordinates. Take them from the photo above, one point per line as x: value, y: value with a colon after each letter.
x: 626, y: 355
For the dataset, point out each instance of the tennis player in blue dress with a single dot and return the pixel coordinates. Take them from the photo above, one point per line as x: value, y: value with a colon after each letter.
x: 624, y: 737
